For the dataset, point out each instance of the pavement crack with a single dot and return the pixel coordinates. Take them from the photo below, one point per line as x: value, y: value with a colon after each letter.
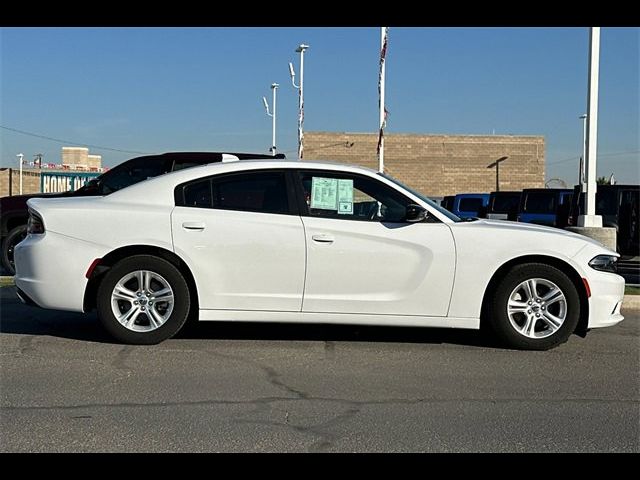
x: 273, y: 377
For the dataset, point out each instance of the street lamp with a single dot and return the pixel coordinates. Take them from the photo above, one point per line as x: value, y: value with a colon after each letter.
x: 274, y: 87
x: 301, y: 48
x: 497, y: 165
x: 20, y: 156
x: 583, y: 117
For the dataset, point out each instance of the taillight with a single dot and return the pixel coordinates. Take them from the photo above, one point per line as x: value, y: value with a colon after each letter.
x: 35, y: 225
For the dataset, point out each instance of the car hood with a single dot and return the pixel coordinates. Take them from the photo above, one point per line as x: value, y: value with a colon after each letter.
x: 509, y: 232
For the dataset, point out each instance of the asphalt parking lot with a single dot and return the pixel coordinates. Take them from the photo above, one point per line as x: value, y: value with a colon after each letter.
x: 65, y: 387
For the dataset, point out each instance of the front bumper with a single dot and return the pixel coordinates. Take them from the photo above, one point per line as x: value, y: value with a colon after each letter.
x: 607, y: 293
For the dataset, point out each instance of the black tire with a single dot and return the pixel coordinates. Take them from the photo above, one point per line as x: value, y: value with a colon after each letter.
x: 498, y: 318
x: 15, y: 236
x: 176, y: 318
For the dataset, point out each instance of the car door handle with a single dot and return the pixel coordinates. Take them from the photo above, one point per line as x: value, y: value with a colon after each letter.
x: 322, y: 238
x: 197, y: 226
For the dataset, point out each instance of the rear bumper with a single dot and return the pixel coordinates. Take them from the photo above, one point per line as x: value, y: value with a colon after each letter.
x: 50, y: 270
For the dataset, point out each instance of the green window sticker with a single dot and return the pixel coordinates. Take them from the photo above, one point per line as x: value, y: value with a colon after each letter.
x: 345, y: 196
x: 332, y: 194
x: 324, y: 193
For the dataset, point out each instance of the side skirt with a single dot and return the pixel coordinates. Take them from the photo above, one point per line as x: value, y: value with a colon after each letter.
x: 337, y: 318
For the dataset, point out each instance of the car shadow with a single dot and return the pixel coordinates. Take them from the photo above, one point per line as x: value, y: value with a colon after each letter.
x: 16, y: 318
x: 333, y: 333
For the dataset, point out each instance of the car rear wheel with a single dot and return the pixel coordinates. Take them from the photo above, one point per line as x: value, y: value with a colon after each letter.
x: 15, y: 236
x: 534, y: 307
x: 143, y: 300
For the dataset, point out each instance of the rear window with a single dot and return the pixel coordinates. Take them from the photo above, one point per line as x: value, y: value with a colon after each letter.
x: 470, y: 204
x: 261, y: 191
x: 540, y: 202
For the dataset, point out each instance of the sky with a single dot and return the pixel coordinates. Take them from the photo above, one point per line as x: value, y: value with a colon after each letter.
x: 196, y: 89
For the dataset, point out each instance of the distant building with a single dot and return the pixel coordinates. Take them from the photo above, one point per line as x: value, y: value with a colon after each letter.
x: 439, y: 165
x: 78, y: 158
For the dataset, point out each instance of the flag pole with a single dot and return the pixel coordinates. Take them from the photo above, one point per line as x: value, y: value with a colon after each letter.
x: 381, y: 79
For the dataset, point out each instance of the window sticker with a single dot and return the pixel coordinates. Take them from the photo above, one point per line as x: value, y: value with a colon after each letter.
x: 345, y: 196
x: 324, y: 193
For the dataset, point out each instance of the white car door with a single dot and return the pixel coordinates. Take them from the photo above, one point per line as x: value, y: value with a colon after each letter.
x: 243, y: 241
x: 363, y: 258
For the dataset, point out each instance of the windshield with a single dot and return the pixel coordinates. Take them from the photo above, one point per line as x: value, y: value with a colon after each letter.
x: 425, y: 199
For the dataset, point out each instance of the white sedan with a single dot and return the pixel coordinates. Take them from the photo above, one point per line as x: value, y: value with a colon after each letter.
x: 281, y: 241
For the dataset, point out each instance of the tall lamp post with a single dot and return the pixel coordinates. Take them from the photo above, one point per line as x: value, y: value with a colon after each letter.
x: 583, y: 117
x: 301, y: 48
x: 590, y: 219
x: 20, y: 157
x: 274, y: 87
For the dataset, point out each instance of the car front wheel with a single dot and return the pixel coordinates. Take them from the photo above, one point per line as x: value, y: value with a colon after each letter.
x: 534, y: 307
x: 143, y: 300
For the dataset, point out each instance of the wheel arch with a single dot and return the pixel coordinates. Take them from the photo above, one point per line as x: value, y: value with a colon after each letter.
x: 113, y: 257
x: 576, y: 279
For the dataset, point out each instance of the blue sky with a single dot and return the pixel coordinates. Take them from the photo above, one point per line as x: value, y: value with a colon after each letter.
x: 170, y: 89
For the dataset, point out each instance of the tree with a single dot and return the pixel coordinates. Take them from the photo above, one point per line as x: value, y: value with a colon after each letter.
x: 602, y: 181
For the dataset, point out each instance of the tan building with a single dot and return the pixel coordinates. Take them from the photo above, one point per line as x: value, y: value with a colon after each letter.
x: 78, y: 158
x: 439, y: 165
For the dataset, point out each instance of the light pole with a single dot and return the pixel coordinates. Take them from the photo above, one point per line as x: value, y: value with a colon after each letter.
x: 274, y: 87
x: 590, y: 219
x: 583, y: 117
x: 301, y: 48
x: 497, y: 165
x: 20, y: 157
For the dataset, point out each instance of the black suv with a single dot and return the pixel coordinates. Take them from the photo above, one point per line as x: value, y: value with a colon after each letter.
x: 14, y: 213
x: 619, y: 206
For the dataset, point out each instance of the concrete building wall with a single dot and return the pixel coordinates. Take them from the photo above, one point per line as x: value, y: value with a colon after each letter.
x: 439, y: 165
x: 30, y: 181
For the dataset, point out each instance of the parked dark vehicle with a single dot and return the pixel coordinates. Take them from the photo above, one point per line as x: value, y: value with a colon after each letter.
x: 14, y: 213
x: 447, y: 202
x: 619, y: 206
x: 503, y: 205
x: 469, y: 205
x: 545, y: 206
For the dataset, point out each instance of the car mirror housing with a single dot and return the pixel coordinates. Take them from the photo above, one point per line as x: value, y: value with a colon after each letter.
x: 416, y: 213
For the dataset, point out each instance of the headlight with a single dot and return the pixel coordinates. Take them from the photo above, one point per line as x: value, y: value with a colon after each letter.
x: 604, y: 263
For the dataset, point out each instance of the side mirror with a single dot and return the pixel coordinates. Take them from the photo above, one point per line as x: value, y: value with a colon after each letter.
x: 415, y: 213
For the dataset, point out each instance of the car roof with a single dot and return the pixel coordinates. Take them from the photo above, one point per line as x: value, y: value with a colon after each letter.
x: 207, y: 157
x: 172, y: 179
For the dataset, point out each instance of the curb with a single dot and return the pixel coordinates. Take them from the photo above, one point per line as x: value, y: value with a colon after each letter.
x: 631, y: 302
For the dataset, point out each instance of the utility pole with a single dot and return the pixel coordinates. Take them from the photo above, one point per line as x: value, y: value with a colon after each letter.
x: 274, y: 87
x: 37, y: 158
x: 301, y: 48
